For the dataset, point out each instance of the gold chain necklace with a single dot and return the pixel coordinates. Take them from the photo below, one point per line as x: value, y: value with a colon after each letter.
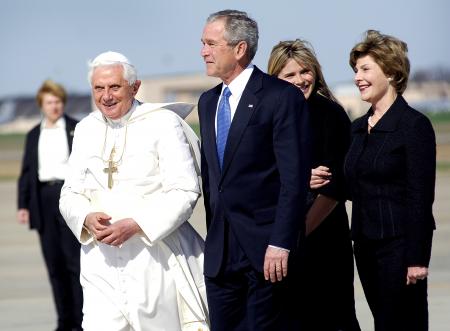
x: 112, y: 165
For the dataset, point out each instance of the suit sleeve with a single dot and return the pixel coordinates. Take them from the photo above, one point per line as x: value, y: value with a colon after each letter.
x: 205, y: 188
x: 421, y: 176
x: 291, y: 139
x: 337, y: 141
x: 204, y: 171
x: 23, y: 197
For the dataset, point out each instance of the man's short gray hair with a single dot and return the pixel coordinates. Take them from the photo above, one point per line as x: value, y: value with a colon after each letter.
x: 111, y: 59
x: 238, y: 27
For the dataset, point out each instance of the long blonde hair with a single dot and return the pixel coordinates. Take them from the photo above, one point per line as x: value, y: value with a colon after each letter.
x: 303, y: 53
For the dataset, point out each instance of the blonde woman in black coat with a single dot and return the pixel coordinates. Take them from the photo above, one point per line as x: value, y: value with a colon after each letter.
x: 327, y: 299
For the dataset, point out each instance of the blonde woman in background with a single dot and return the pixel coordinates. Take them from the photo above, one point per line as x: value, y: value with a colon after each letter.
x: 44, y: 168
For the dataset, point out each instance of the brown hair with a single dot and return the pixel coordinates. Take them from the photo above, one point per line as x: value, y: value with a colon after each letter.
x: 53, y: 88
x: 302, y: 52
x: 389, y: 53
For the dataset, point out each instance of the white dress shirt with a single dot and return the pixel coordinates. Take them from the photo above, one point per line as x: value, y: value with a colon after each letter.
x: 53, y: 151
x: 236, y: 87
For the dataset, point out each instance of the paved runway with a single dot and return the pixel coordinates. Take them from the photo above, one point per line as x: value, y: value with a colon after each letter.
x: 25, y: 297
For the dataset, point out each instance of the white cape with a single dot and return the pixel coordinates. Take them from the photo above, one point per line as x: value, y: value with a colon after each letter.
x: 177, y: 242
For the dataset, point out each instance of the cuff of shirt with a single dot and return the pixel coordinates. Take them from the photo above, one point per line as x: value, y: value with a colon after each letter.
x: 281, y: 248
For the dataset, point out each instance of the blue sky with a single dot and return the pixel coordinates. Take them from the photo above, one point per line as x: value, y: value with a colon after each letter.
x: 55, y: 38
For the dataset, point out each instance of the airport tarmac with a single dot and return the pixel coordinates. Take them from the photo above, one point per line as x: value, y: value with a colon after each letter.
x: 25, y: 297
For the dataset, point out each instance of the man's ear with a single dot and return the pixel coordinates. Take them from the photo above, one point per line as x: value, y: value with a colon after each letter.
x: 136, y: 86
x: 240, y: 50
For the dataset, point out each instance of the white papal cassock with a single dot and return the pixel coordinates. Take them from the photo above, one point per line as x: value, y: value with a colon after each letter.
x: 154, y: 281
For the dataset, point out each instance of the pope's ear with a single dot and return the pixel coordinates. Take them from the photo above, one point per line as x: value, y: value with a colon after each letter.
x: 136, y: 86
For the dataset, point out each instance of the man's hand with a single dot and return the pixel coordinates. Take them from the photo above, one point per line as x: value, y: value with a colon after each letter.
x: 275, y: 264
x: 97, y: 222
x: 119, y: 232
x: 416, y: 273
x: 320, y: 176
x: 23, y: 216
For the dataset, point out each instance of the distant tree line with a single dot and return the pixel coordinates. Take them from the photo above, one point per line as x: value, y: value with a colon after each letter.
x: 438, y: 73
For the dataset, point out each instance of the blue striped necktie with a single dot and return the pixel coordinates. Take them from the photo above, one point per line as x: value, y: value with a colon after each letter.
x: 223, y: 123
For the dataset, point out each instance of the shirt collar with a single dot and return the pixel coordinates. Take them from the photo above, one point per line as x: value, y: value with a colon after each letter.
x: 59, y: 124
x: 237, y: 86
x: 388, y: 122
x: 391, y: 119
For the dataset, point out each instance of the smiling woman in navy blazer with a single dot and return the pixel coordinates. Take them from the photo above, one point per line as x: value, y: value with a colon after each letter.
x: 391, y: 169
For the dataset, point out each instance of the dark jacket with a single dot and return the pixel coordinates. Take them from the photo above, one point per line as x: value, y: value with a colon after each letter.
x: 262, y: 188
x: 391, y: 175
x: 331, y: 139
x: 28, y: 185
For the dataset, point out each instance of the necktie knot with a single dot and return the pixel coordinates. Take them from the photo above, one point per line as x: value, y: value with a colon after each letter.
x: 226, y: 92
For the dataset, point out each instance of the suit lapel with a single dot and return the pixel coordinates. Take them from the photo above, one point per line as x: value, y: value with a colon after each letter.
x: 391, y: 119
x: 69, y: 132
x: 359, y: 133
x: 388, y: 123
x: 35, y: 147
x: 244, y: 111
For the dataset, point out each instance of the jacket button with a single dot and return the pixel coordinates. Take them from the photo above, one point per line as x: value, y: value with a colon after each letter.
x: 220, y: 189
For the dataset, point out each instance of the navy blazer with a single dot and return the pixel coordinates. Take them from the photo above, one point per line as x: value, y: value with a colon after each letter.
x: 261, y: 190
x: 28, y: 184
x: 391, y: 175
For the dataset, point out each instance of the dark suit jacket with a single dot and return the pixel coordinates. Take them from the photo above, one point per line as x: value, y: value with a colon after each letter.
x: 391, y: 175
x: 331, y: 139
x: 28, y: 185
x: 262, y: 188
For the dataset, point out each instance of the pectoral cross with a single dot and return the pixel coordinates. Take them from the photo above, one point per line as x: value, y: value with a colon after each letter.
x: 110, y: 169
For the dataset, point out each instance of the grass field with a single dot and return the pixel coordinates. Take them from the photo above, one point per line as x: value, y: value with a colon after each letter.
x: 11, y: 146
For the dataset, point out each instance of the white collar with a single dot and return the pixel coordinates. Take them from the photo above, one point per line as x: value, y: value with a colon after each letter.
x: 60, y: 123
x: 238, y: 84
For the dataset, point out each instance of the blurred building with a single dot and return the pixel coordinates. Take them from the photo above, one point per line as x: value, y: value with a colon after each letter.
x: 431, y: 96
x: 179, y: 88
x: 21, y: 113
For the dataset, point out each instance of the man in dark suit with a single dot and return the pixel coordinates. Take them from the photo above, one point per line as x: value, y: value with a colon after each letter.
x: 47, y: 150
x: 255, y: 171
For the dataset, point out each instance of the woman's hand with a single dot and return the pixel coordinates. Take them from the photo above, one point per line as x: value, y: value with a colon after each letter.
x: 320, y: 176
x: 416, y: 273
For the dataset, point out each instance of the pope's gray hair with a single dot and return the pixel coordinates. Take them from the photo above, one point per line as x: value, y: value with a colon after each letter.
x: 129, y: 71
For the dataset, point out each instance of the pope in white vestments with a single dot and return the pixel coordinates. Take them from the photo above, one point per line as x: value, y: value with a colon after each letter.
x: 131, y: 187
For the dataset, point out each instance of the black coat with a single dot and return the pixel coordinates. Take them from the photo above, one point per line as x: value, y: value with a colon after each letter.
x: 28, y: 189
x: 391, y: 175
x: 331, y: 139
x: 329, y: 246
x: 262, y: 188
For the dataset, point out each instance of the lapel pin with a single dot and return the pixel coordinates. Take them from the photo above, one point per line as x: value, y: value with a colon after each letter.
x: 250, y: 106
